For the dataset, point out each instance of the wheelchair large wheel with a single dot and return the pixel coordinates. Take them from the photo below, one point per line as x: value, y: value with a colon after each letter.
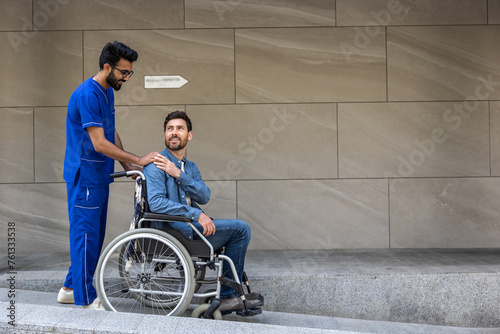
x: 145, y: 271
x: 125, y: 262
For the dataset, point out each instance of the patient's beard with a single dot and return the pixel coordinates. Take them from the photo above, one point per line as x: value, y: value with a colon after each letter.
x: 181, y: 144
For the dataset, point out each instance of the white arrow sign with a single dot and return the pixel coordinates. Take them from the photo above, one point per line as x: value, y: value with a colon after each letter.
x: 164, y: 81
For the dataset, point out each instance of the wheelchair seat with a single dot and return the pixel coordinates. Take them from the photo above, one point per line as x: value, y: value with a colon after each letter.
x: 197, y: 248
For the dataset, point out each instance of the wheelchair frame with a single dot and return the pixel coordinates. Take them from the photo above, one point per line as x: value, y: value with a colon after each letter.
x: 162, y: 257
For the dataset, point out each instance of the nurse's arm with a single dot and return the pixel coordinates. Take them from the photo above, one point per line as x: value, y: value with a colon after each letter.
x: 104, y: 146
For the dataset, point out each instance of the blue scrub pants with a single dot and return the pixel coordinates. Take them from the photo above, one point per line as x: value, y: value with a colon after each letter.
x: 87, y: 209
x: 234, y: 234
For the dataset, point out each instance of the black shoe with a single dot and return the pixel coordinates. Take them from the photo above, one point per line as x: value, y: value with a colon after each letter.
x: 255, y: 296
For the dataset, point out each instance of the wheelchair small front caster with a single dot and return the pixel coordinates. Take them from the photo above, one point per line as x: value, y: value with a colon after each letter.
x: 199, y: 312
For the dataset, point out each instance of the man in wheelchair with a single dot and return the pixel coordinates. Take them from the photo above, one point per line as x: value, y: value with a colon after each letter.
x: 175, y: 186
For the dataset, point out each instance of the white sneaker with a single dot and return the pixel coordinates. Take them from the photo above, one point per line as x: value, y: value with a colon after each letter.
x: 96, y: 305
x: 128, y: 265
x: 65, y: 296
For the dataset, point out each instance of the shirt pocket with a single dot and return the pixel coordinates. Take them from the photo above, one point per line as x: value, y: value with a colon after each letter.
x: 93, y: 173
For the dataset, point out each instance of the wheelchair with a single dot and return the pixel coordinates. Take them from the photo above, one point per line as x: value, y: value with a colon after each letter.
x: 158, y: 271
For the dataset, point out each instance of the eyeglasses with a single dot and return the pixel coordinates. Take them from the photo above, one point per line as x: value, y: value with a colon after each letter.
x: 124, y: 72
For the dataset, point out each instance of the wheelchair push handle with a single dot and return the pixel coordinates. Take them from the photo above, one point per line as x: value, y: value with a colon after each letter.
x: 127, y: 174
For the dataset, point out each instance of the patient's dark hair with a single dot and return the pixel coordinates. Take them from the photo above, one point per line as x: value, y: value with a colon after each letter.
x: 178, y: 114
x: 112, y: 52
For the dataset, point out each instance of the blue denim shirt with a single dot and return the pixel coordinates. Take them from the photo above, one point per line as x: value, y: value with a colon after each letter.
x: 167, y: 194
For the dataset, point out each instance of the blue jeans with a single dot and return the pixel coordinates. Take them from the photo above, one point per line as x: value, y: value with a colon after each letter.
x: 235, y: 235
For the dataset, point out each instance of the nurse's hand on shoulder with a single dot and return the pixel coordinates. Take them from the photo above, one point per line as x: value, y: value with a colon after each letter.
x: 147, y: 159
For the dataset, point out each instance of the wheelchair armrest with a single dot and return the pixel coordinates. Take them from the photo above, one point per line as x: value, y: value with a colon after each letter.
x: 162, y: 216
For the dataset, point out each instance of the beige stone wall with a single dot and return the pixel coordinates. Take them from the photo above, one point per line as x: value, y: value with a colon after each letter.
x: 325, y: 124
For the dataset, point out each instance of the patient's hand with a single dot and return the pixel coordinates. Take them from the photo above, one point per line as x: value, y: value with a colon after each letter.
x: 207, y: 224
x: 167, y: 166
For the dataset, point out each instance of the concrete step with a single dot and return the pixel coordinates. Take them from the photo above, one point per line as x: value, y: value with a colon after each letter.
x: 436, y: 287
x: 458, y: 288
x: 39, y: 312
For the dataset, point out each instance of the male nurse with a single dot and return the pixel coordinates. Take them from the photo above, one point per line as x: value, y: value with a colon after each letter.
x: 92, y: 145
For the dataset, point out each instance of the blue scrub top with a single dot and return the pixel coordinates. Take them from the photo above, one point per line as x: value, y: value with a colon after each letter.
x: 89, y: 105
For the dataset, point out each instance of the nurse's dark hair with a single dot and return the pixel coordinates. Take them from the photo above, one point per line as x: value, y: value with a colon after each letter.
x: 175, y: 115
x: 113, y: 52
